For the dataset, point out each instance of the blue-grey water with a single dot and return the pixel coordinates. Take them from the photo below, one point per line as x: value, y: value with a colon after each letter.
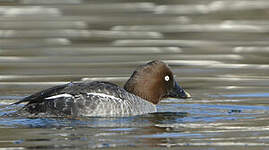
x: 218, y: 49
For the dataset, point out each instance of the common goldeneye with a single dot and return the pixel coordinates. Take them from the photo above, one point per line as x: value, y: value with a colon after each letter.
x: 147, y: 85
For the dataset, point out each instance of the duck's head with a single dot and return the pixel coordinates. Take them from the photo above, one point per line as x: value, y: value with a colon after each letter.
x: 153, y: 82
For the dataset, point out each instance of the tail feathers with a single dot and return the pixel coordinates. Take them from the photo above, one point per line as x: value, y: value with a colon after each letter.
x: 21, y: 101
x: 39, y: 96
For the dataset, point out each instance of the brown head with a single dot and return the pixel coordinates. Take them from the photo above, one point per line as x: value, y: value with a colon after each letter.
x: 154, y: 81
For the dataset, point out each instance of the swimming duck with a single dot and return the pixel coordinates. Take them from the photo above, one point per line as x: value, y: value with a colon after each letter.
x: 145, y: 88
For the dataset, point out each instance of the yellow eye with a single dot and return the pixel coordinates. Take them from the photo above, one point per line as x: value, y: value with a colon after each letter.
x: 166, y: 78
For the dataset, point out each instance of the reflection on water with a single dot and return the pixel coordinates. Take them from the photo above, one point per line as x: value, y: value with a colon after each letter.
x: 218, y: 50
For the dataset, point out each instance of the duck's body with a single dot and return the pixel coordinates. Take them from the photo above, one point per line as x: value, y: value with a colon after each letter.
x: 87, y: 99
x: 145, y: 88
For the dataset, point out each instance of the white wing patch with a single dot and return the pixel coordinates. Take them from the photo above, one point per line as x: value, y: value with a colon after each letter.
x: 105, y: 96
x: 60, y: 95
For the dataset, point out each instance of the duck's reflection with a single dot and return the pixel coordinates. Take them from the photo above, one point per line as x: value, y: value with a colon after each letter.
x: 149, y: 129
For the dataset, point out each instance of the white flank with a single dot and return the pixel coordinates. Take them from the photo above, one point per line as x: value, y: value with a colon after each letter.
x: 104, y: 95
x: 58, y: 96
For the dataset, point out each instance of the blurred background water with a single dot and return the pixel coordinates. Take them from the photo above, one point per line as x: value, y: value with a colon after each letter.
x: 218, y: 50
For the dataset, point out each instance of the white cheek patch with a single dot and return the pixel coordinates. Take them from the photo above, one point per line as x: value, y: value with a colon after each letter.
x: 166, y: 78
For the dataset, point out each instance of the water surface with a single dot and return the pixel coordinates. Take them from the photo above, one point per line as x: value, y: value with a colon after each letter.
x: 217, y: 49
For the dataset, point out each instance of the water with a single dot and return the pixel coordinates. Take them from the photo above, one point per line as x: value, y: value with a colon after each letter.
x: 217, y: 49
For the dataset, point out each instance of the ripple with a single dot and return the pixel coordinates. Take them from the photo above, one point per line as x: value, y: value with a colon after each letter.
x: 76, y: 34
x: 251, y: 49
x: 247, y: 95
x: 30, y: 10
x: 223, y: 27
x: 181, y: 43
x: 212, y: 7
x: 115, y: 7
x: 51, y: 2
x: 43, y: 25
x: 216, y: 144
x: 172, y: 135
x: 33, y: 43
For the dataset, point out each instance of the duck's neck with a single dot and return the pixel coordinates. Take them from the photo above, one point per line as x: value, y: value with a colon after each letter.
x: 143, y: 90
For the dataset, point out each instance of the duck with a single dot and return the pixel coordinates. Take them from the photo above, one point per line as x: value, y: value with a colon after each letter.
x: 146, y: 87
